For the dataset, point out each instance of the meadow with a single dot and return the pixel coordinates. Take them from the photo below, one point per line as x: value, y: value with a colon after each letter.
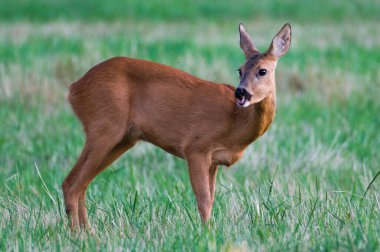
x: 308, y: 184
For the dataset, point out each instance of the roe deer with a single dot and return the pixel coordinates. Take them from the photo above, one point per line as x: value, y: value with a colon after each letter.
x: 122, y: 100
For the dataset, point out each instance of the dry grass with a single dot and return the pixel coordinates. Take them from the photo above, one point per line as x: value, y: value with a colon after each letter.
x: 49, y: 77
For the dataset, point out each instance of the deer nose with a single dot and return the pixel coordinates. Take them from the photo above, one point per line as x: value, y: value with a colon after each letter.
x: 240, y: 92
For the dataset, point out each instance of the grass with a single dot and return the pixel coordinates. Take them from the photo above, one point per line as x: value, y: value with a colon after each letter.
x: 303, y: 186
x: 190, y: 10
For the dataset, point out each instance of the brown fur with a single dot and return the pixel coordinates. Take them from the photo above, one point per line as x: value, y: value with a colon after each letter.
x: 122, y: 100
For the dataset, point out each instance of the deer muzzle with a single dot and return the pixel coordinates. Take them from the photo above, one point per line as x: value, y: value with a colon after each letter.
x: 242, y: 97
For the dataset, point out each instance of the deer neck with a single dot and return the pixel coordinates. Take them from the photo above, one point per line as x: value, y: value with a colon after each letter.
x: 256, y: 119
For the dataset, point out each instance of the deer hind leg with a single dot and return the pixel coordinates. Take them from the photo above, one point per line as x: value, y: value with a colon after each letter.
x: 97, y: 148
x: 116, y: 152
x: 71, y: 202
x: 200, y: 181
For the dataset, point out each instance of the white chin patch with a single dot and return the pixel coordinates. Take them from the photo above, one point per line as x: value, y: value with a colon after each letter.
x: 242, y: 103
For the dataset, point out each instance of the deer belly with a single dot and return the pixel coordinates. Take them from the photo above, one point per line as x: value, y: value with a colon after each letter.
x: 225, y: 157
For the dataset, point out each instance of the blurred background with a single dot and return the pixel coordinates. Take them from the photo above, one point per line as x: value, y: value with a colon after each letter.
x: 304, y: 184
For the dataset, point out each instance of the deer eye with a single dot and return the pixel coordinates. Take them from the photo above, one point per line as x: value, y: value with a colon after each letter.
x: 239, y: 71
x: 262, y: 72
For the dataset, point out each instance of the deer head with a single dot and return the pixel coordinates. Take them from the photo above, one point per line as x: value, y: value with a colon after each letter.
x: 257, y: 74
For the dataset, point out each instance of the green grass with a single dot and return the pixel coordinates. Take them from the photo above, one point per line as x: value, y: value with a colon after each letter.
x: 299, y: 187
x: 153, y: 10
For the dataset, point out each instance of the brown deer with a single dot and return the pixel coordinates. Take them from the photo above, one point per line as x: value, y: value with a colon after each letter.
x: 122, y: 100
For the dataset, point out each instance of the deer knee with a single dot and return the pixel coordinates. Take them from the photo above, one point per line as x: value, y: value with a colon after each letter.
x: 204, y: 208
x: 71, y: 198
x: 65, y: 187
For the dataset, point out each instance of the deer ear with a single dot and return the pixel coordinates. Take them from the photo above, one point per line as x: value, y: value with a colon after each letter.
x: 281, y: 42
x: 246, y: 43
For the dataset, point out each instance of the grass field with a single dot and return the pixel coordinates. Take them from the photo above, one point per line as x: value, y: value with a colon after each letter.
x: 305, y: 185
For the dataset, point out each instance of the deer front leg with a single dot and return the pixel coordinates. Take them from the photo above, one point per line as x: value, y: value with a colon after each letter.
x: 213, y: 170
x: 199, y: 167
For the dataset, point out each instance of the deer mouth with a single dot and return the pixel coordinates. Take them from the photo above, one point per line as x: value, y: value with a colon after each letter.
x: 242, y: 97
x: 242, y: 102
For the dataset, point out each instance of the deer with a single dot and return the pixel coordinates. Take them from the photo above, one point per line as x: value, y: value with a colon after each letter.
x: 122, y: 101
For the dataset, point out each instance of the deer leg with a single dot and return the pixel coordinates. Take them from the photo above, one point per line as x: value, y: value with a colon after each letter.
x: 213, y: 170
x: 95, y: 151
x: 71, y: 202
x: 116, y: 152
x: 200, y: 182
